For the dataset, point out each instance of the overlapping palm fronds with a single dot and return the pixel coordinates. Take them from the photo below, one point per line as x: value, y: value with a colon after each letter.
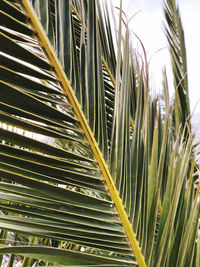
x: 81, y: 185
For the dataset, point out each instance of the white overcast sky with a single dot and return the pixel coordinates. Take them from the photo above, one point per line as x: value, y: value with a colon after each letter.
x: 148, y: 25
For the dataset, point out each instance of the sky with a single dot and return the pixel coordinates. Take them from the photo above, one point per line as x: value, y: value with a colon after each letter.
x: 148, y: 25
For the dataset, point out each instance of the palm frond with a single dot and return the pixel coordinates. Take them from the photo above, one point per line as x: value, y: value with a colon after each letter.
x: 176, y: 42
x: 64, y: 121
x: 29, y: 111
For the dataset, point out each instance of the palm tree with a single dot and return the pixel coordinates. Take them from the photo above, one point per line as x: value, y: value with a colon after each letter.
x: 94, y: 170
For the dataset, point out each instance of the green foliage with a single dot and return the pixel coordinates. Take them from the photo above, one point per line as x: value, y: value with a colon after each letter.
x: 57, y: 206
